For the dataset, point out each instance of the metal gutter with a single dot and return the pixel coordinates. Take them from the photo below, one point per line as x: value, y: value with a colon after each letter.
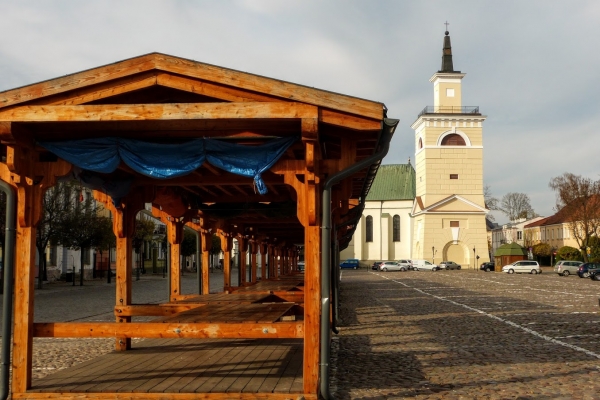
x: 388, y: 126
x: 7, y: 305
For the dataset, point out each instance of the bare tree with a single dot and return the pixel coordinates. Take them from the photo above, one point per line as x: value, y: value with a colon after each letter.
x: 56, y: 203
x: 491, y: 202
x: 578, y: 199
x: 516, y: 205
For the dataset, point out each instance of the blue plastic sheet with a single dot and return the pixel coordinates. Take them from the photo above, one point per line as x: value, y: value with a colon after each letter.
x: 164, y: 161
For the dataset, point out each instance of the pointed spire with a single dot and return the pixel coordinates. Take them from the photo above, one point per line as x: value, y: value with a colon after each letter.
x: 447, y: 55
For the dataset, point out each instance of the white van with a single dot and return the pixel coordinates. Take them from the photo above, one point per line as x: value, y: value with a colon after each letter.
x: 424, y: 265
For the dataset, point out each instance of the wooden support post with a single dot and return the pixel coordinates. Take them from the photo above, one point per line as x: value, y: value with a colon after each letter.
x: 175, y: 237
x: 243, y: 248
x: 226, y: 245
x: 276, y: 261
x: 24, y: 297
x: 312, y: 308
x: 123, y: 284
x: 206, y: 239
x: 264, y: 258
x: 253, y: 265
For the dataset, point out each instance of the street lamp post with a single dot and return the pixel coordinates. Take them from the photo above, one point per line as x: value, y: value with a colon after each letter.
x: 433, y: 251
x: 474, y: 266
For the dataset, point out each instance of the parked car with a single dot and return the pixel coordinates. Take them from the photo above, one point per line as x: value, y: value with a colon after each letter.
x: 528, y: 266
x: 487, y: 266
x: 391, y: 266
x: 407, y: 263
x: 449, y: 265
x: 375, y: 265
x: 585, y: 269
x: 350, y: 263
x: 566, y: 268
x: 595, y: 274
x: 424, y: 265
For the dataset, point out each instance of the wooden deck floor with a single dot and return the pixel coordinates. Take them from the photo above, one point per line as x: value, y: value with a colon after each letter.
x: 187, y: 366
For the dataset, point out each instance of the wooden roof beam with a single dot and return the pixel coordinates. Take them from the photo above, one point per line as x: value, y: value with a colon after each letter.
x: 157, y: 112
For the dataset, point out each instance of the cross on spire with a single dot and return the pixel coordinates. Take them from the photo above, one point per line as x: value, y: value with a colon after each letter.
x: 446, y: 23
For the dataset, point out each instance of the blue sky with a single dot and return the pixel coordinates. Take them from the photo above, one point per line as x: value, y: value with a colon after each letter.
x: 532, y: 66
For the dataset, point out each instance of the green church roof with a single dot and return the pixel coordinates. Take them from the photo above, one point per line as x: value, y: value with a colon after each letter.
x: 510, y: 249
x: 393, y: 182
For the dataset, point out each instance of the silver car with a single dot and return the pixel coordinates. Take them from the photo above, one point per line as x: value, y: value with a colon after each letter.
x: 391, y: 266
x: 566, y: 268
x: 531, y: 267
x: 449, y: 265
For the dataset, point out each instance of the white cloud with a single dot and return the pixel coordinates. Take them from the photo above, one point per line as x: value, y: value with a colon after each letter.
x: 531, y: 67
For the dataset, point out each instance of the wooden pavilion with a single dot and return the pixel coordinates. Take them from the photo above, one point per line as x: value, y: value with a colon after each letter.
x: 315, y: 184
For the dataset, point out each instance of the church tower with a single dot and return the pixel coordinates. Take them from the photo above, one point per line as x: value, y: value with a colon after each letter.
x: 449, y: 210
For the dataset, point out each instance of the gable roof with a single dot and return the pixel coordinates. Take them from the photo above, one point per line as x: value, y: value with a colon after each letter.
x: 393, y: 182
x: 450, y: 204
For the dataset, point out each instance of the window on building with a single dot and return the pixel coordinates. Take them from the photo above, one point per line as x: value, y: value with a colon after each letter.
x: 420, y: 143
x: 453, y: 140
x: 453, y: 176
x: 369, y: 228
x: 454, y: 224
x: 519, y: 235
x: 396, y: 229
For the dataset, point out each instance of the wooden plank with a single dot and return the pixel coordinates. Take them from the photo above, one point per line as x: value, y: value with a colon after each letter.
x: 288, y: 380
x: 239, y: 364
x: 77, y: 80
x: 261, y: 371
x: 153, y: 309
x: 161, y: 396
x: 189, y: 369
x: 211, y: 89
x: 170, y: 330
x: 158, y: 112
x: 101, y: 91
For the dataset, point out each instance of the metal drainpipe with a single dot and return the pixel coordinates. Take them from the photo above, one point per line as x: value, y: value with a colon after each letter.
x: 388, y: 126
x: 7, y: 259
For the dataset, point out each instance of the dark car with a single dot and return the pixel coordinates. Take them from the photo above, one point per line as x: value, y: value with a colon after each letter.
x: 595, y: 275
x: 376, y: 265
x: 351, y: 263
x: 585, y: 269
x: 487, y: 266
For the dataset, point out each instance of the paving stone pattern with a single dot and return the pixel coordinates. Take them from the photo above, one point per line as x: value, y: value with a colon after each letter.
x: 466, y: 335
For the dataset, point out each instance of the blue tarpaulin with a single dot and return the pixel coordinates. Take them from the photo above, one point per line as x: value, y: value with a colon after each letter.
x: 164, y: 161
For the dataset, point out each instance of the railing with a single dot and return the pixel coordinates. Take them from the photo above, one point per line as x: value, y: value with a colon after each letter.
x: 473, y: 110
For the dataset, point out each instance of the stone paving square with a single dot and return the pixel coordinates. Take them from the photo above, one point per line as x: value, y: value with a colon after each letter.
x: 466, y: 335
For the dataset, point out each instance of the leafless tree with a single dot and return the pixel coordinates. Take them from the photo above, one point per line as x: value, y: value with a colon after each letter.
x: 516, y: 205
x: 578, y: 199
x: 491, y: 202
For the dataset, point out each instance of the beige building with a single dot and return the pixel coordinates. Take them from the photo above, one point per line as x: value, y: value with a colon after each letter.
x: 553, y: 230
x: 449, y: 210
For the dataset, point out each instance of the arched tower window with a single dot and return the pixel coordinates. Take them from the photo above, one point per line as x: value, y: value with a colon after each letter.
x: 453, y: 140
x: 369, y: 228
x: 396, y: 229
x: 420, y: 143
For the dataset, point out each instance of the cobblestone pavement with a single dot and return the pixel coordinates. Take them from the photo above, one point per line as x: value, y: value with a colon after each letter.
x: 95, y: 301
x: 466, y: 335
